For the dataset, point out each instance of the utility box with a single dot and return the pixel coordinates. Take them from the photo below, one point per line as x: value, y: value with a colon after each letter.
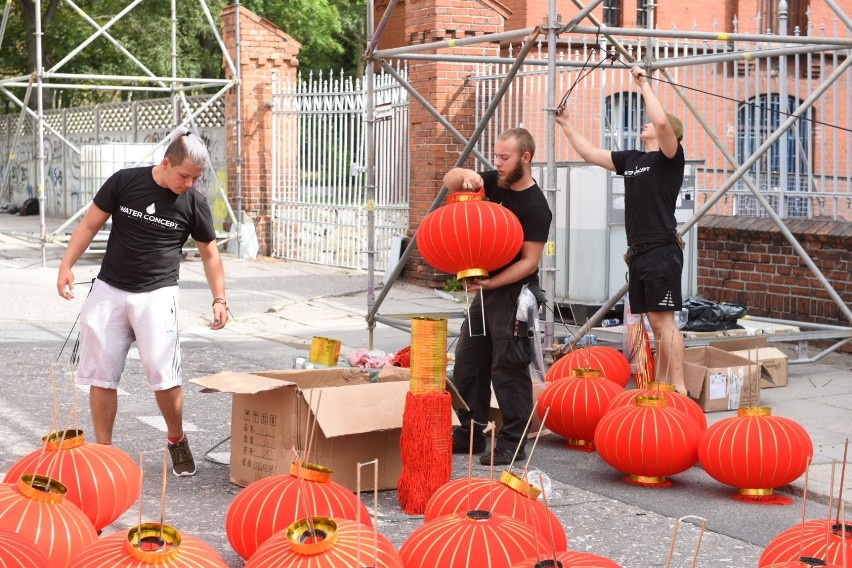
x: 591, y: 239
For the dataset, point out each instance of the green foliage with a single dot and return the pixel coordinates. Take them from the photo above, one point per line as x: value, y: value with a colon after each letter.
x: 453, y: 285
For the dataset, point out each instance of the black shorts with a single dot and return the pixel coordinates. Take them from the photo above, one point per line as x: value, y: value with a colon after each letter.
x: 654, y: 280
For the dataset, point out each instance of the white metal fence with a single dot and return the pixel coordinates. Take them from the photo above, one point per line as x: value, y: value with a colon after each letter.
x: 806, y: 173
x: 319, y: 208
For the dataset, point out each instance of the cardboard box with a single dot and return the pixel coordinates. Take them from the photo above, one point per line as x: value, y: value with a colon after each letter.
x: 772, y: 361
x: 719, y: 380
x: 356, y: 421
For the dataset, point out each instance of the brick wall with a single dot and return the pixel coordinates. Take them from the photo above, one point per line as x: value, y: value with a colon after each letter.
x: 263, y: 48
x: 747, y: 260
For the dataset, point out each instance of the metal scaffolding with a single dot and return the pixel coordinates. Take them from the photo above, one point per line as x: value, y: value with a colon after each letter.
x: 553, y: 28
x: 177, y: 86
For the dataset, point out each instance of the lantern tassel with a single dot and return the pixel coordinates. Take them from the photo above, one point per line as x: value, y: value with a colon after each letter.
x: 771, y: 498
x: 425, y: 448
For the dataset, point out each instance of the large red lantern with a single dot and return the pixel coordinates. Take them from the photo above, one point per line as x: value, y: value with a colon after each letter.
x: 510, y: 496
x: 824, y: 539
x: 36, y: 509
x: 649, y: 441
x: 610, y: 361
x: 673, y: 399
x: 273, y: 503
x: 470, y: 236
x: 473, y: 538
x: 149, y: 544
x: 577, y: 404
x: 102, y: 480
x: 325, y: 543
x: 18, y: 552
x: 569, y: 559
x: 756, y: 452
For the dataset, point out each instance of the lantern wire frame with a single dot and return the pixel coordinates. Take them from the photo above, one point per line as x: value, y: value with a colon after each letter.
x: 361, y: 465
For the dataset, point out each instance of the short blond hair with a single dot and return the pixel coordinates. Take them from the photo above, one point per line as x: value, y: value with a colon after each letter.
x: 676, y: 125
x: 522, y: 138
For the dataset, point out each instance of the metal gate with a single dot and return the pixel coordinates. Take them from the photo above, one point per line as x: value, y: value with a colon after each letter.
x: 319, y: 209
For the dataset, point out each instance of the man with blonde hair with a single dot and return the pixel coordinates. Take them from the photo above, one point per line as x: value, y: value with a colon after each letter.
x: 154, y: 210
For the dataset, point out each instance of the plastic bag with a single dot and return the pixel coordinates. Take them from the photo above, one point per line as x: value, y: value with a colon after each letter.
x: 528, y: 312
x: 705, y: 315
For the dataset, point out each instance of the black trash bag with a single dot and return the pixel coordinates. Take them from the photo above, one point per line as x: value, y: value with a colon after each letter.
x: 705, y: 315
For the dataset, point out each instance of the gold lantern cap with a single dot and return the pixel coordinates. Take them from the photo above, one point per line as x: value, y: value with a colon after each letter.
x: 63, y: 440
x: 652, y: 401
x: 42, y: 488
x: 311, y: 472
x: 754, y: 411
x: 312, y: 536
x: 153, y: 543
x: 514, y: 482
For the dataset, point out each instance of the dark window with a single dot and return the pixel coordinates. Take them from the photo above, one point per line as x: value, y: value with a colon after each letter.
x: 797, y: 16
x: 612, y: 13
x: 642, y: 13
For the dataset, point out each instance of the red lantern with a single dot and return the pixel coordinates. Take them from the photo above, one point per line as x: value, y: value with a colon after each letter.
x: 18, y: 552
x: 577, y: 405
x: 273, y: 503
x: 36, y: 509
x: 648, y: 440
x: 149, y: 544
x: 569, y: 559
x: 510, y: 496
x: 470, y: 236
x: 325, y: 543
x: 756, y: 452
x: 474, y: 538
x: 102, y: 480
x: 804, y: 563
x: 673, y: 399
x: 824, y: 539
x: 611, y: 362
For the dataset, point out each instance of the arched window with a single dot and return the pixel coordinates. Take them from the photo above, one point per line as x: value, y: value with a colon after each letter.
x: 623, y: 119
x: 785, y: 166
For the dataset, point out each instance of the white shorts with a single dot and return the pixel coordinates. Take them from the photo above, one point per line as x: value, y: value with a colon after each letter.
x: 112, y: 319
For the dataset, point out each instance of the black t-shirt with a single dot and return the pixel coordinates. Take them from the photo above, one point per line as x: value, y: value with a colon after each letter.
x: 652, y: 182
x: 531, y: 209
x: 150, y: 225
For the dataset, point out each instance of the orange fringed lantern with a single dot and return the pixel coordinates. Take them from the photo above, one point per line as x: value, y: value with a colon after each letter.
x: 325, y: 543
x: 611, y: 362
x: 510, y: 496
x: 36, y: 509
x: 149, y: 544
x: 569, y: 559
x: 18, y: 552
x: 102, y: 480
x: 425, y: 444
x: 577, y: 404
x: 756, y: 452
x: 649, y: 441
x: 824, y: 539
x: 469, y: 236
x: 474, y: 538
x: 673, y: 399
x: 271, y: 504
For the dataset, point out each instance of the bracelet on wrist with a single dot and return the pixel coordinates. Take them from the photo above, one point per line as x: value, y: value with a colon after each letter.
x: 220, y: 301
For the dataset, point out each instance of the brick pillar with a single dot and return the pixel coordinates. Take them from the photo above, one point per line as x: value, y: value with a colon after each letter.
x: 263, y: 48
x: 433, y: 150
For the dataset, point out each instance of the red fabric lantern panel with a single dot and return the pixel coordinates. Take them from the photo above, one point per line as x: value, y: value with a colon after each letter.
x: 167, y: 548
x: 102, y: 480
x: 611, y: 362
x: 271, y: 504
x: 469, y: 236
x: 325, y: 543
x: 18, y: 552
x: 576, y: 406
x: 824, y: 539
x: 35, y: 508
x: 804, y: 563
x: 648, y: 440
x: 508, y: 497
x: 474, y: 538
x: 756, y: 452
x: 673, y: 399
x: 570, y: 559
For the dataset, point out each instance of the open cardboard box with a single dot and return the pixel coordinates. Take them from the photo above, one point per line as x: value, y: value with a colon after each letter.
x: 719, y: 380
x: 356, y: 421
x: 773, y: 361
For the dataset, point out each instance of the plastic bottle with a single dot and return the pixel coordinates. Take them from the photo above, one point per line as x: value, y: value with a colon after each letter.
x: 610, y: 322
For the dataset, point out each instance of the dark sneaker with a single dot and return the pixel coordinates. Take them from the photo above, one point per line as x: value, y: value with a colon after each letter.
x: 502, y: 457
x: 182, y: 463
x: 461, y: 444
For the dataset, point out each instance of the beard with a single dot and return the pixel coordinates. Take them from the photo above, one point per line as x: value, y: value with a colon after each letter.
x: 507, y: 181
